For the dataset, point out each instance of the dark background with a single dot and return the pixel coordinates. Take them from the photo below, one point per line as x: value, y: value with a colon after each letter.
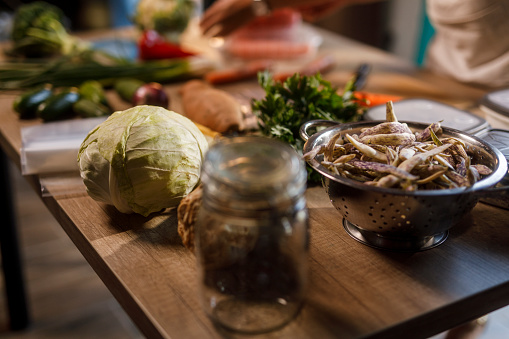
x: 366, y: 23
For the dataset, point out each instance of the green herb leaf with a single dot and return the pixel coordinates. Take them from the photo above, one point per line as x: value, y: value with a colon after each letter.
x: 287, y: 105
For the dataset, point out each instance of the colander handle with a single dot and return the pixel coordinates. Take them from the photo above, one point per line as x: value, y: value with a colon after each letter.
x: 317, y: 124
x: 498, y: 196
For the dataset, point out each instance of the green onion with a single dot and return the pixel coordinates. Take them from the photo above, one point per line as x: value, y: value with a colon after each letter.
x: 68, y: 72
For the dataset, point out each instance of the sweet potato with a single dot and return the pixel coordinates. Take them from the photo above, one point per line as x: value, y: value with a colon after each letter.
x: 211, y: 107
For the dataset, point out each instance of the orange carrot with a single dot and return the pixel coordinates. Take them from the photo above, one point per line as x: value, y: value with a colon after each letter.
x: 369, y: 99
x: 247, y: 71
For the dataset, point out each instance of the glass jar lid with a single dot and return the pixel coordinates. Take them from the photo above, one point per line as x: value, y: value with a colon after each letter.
x: 253, y: 169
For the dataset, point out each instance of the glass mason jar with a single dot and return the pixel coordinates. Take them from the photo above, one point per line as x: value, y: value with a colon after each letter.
x: 252, y: 234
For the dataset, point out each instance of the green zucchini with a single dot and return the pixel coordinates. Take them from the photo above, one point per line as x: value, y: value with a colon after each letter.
x: 27, y: 103
x: 87, y: 108
x: 93, y: 91
x: 59, y: 106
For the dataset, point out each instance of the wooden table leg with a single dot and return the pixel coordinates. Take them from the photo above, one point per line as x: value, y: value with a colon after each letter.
x: 10, y: 251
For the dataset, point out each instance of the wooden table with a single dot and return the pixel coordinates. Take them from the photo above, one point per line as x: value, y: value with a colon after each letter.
x: 355, y: 292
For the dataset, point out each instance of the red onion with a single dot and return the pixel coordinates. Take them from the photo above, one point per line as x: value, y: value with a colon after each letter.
x: 151, y: 94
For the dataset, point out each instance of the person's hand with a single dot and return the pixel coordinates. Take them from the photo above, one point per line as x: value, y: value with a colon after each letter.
x: 225, y: 16
x: 317, y: 11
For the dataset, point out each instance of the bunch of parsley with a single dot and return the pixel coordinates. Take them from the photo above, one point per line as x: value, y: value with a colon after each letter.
x: 289, y: 104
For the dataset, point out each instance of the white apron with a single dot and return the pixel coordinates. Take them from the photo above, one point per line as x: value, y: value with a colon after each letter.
x: 471, y: 42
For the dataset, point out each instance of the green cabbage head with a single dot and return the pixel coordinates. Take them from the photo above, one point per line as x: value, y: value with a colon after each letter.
x: 142, y: 160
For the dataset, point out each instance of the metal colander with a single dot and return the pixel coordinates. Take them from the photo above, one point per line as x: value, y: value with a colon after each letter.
x: 390, y: 218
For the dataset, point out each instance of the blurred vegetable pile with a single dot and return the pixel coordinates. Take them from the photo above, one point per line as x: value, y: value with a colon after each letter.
x: 38, y: 31
x: 89, y: 100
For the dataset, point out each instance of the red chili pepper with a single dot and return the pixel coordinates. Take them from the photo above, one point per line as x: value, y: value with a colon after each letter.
x: 152, y: 46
